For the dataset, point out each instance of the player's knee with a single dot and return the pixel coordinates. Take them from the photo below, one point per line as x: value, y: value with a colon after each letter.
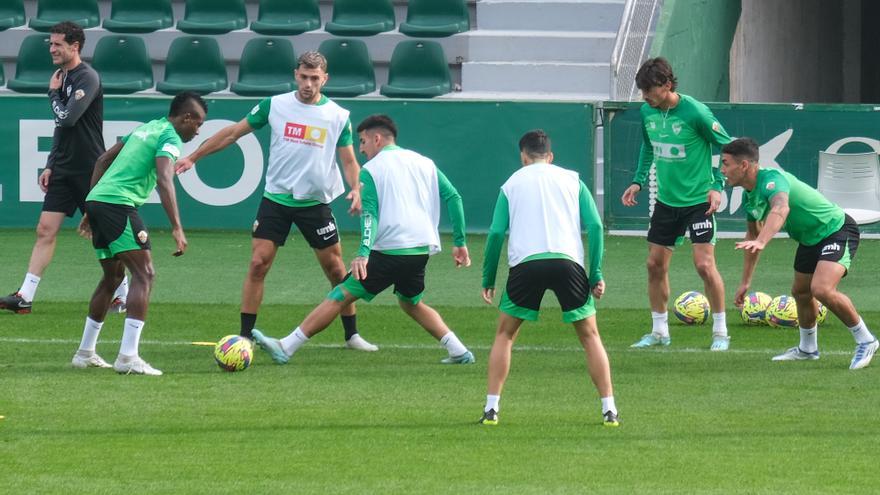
x: 655, y: 266
x: 822, y: 293
x: 46, y: 232
x: 705, y: 268
x: 258, y: 268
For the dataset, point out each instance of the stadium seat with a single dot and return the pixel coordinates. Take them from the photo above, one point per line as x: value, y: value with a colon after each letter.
x: 852, y: 180
x: 50, y: 12
x: 213, y: 16
x: 266, y: 68
x: 11, y: 14
x: 418, y: 70
x: 139, y: 16
x: 435, y: 18
x: 361, y: 17
x: 194, y: 63
x: 287, y: 17
x: 348, y: 63
x: 123, y: 64
x: 33, y: 67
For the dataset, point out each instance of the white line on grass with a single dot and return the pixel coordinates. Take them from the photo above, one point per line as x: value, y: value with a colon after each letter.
x: 538, y: 348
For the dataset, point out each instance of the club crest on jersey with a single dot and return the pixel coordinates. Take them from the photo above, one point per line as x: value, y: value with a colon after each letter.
x: 256, y: 224
x: 676, y: 127
x: 142, y: 236
x: 716, y: 126
x: 771, y: 186
x: 652, y: 125
x: 69, y: 89
x: 78, y: 94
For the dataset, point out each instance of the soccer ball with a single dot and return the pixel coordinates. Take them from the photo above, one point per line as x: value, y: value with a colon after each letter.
x: 822, y: 314
x: 754, y: 310
x: 692, y: 308
x: 782, y: 312
x: 233, y: 353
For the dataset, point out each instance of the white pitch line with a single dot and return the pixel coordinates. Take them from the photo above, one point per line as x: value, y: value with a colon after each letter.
x: 535, y: 348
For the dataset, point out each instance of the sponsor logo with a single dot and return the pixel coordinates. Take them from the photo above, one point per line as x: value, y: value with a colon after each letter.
x: 143, y: 236
x: 706, y: 224
x: 669, y: 151
x: 255, y: 109
x: 329, y: 229
x: 305, y: 134
x: 830, y: 248
x: 171, y: 150
x: 78, y: 94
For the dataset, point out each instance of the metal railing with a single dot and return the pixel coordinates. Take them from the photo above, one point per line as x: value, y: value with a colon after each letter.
x: 631, y: 46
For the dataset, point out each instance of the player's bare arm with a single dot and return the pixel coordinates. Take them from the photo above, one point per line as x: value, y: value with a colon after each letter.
x: 713, y: 197
x: 488, y: 294
x: 598, y: 290
x: 629, y: 196
x: 165, y: 186
x: 750, y: 262
x: 461, y: 256
x: 220, y: 140
x: 359, y: 267
x: 772, y: 224
x: 351, y: 169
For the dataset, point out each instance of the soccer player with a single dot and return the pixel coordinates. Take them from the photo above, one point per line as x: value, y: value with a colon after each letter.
x: 123, y: 179
x: 77, y: 102
x: 545, y: 207
x: 309, y: 131
x: 402, y: 191
x: 827, y: 242
x: 678, y: 133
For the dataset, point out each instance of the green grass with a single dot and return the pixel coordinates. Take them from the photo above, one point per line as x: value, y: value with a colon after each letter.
x: 396, y: 421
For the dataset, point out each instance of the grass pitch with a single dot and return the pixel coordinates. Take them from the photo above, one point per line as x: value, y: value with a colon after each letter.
x: 396, y: 421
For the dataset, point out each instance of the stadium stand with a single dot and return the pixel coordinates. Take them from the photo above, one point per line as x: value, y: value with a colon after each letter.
x: 11, y: 14
x: 852, y: 180
x: 213, y: 16
x: 287, y: 17
x: 418, y: 70
x: 33, y: 67
x: 194, y: 63
x: 435, y: 18
x: 361, y: 17
x: 139, y: 16
x: 266, y: 68
x: 51, y: 12
x: 123, y: 64
x: 348, y: 60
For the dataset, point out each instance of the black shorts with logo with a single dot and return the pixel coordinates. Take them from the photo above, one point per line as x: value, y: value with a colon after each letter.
x: 116, y: 228
x: 317, y: 223
x: 669, y: 224
x: 839, y: 247
x: 67, y: 193
x: 406, y: 272
x: 527, y: 282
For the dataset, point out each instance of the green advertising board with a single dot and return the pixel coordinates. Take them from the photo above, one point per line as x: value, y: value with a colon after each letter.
x: 790, y: 137
x: 473, y: 142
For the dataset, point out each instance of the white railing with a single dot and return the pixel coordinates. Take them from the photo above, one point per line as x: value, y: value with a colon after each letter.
x: 631, y: 47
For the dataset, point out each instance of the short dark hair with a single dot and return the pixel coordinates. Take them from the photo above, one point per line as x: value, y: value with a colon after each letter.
x: 379, y: 123
x: 312, y: 60
x: 182, y: 103
x: 72, y: 33
x: 535, y: 143
x: 742, y: 149
x: 655, y: 72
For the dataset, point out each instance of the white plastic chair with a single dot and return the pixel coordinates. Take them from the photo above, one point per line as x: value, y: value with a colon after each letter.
x: 852, y: 180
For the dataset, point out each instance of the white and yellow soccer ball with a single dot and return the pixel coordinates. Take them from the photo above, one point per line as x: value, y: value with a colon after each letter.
x: 822, y: 314
x: 692, y: 308
x: 234, y: 353
x: 782, y: 312
x: 754, y: 310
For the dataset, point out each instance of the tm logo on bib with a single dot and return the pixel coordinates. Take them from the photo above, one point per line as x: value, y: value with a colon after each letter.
x: 305, y: 134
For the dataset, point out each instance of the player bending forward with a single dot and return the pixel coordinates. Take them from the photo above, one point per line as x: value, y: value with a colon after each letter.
x: 401, y: 210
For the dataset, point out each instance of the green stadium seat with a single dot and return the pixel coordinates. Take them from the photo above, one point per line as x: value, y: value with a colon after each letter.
x: 34, y: 66
x: 418, y: 69
x: 11, y: 14
x: 51, y: 12
x: 266, y: 68
x: 213, y: 16
x: 287, y: 17
x: 123, y: 64
x: 194, y: 63
x: 139, y: 16
x: 361, y: 17
x: 435, y: 18
x: 350, y: 68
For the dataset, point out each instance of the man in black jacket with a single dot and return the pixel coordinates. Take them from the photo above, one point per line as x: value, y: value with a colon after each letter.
x: 77, y: 102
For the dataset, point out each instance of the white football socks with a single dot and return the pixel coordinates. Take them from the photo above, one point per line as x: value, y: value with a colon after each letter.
x: 660, y: 323
x: 131, y: 337
x: 453, y: 346
x: 861, y: 333
x: 809, y: 339
x: 90, y: 335
x: 608, y: 404
x: 719, y: 324
x: 29, y: 287
x: 293, y: 341
x: 492, y: 402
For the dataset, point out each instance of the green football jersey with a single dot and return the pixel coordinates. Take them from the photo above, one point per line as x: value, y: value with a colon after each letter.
x: 678, y: 141
x: 811, y: 216
x: 132, y: 176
